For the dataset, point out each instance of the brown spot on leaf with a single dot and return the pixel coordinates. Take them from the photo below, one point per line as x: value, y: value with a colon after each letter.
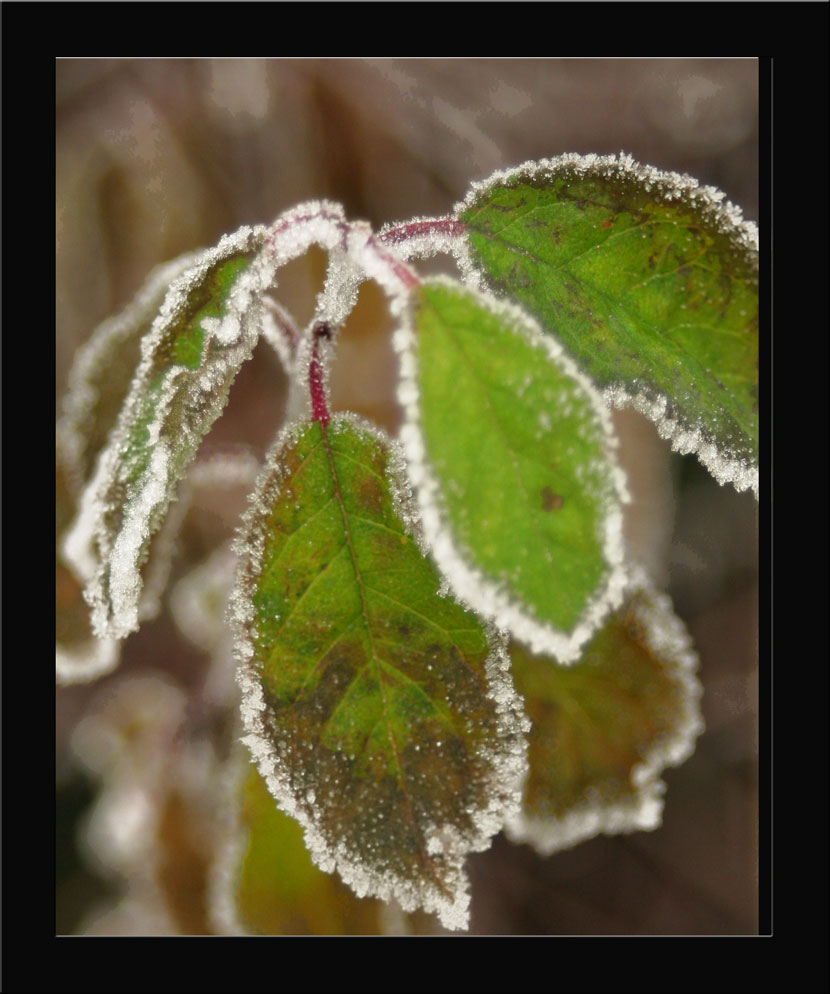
x: 608, y: 224
x: 550, y: 500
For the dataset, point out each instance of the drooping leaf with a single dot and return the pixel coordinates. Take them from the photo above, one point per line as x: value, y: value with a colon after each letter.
x: 102, y: 373
x: 379, y: 715
x: 206, y: 328
x: 650, y: 283
x: 512, y: 455
x: 79, y: 655
x: 603, y: 729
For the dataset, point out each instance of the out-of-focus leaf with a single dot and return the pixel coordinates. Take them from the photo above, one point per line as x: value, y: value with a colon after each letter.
x: 603, y: 729
x: 377, y: 711
x: 280, y: 891
x: 79, y: 655
x: 511, y: 454
x: 650, y: 283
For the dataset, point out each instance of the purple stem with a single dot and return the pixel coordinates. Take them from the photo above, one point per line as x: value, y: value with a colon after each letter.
x: 444, y: 226
x: 319, y: 407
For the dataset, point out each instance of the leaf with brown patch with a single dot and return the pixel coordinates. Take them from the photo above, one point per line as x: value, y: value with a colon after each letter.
x: 379, y: 713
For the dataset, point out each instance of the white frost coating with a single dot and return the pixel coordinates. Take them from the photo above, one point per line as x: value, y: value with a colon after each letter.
x: 124, y: 575
x: 667, y: 638
x: 110, y: 555
x: 725, y: 469
x: 91, y: 359
x: 225, y: 330
x: 78, y: 543
x: 424, y: 244
x: 471, y: 586
x: 87, y: 661
x: 506, y: 757
x: 724, y: 216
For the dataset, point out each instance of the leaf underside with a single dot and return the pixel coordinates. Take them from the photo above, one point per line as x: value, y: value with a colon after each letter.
x: 603, y: 729
x: 379, y: 730
x: 650, y: 285
x: 521, y: 459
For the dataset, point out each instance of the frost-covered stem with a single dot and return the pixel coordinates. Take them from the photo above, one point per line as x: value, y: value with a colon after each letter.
x: 319, y: 407
x: 396, y: 266
x: 446, y: 226
x: 282, y: 332
x: 324, y: 224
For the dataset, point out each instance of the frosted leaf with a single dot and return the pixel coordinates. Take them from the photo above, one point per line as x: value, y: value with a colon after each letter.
x: 649, y: 280
x: 605, y: 729
x: 79, y: 656
x: 511, y: 453
x: 102, y: 371
x: 361, y: 686
x: 264, y: 881
x: 685, y: 439
x: 179, y: 390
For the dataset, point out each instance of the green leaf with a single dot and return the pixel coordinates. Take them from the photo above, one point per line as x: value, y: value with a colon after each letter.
x: 603, y: 729
x: 278, y: 889
x: 377, y: 711
x: 103, y: 371
x: 512, y: 455
x: 650, y: 283
x: 207, y: 327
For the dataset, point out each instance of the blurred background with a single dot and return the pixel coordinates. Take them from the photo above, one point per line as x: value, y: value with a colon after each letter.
x: 159, y: 157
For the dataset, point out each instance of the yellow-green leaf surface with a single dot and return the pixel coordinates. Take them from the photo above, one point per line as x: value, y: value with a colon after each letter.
x: 279, y: 890
x: 648, y: 280
x: 207, y: 326
x: 512, y: 455
x: 603, y: 729
x: 378, y: 713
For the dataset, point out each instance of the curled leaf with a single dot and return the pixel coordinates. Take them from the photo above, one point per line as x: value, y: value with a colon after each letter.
x: 206, y: 328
